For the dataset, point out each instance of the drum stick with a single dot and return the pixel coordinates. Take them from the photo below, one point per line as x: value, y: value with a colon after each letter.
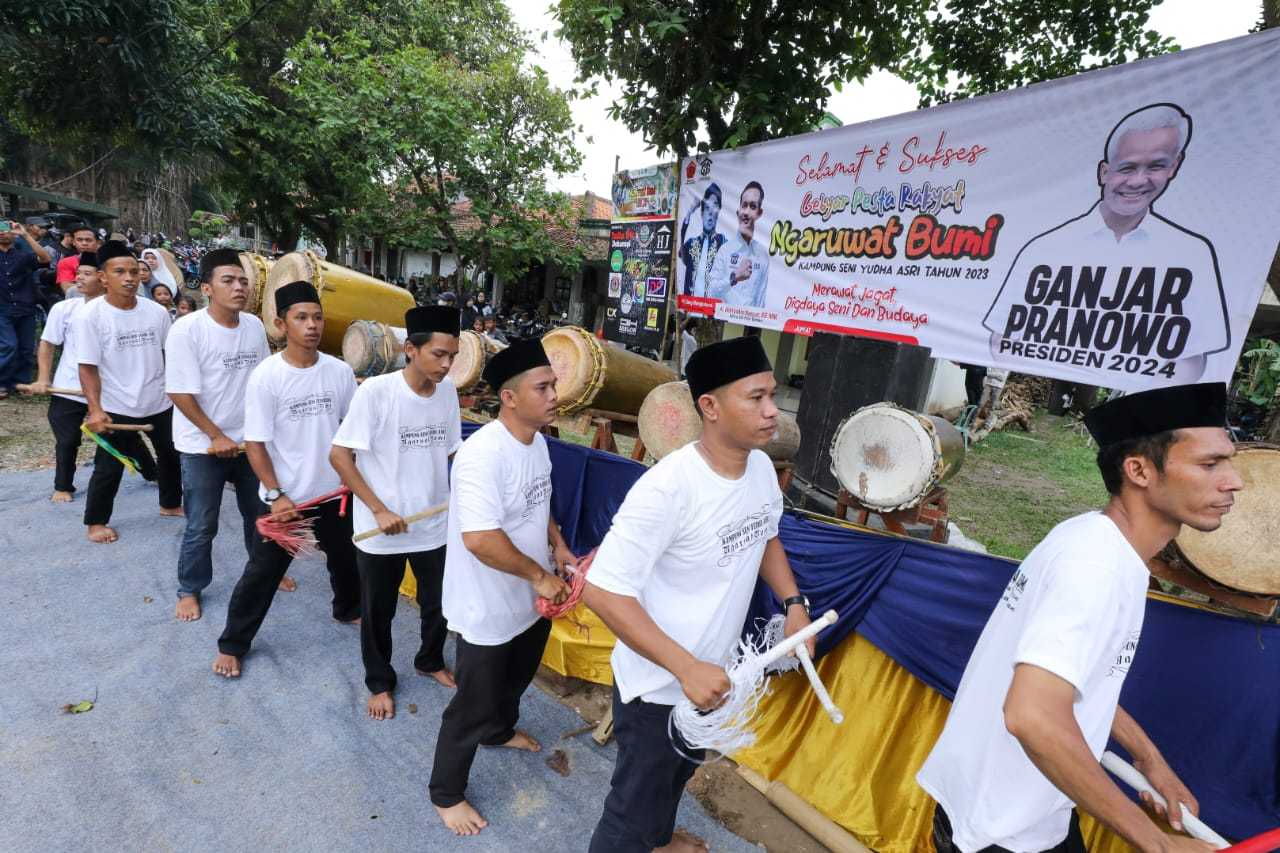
x: 1264, y: 843
x: 239, y: 449
x: 802, y: 652
x: 26, y: 389
x: 129, y: 427
x: 408, y: 519
x: 786, y: 646
x: 1130, y: 775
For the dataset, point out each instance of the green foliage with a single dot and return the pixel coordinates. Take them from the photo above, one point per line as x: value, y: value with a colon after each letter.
x: 1261, y: 366
x: 204, y: 225
x: 744, y: 71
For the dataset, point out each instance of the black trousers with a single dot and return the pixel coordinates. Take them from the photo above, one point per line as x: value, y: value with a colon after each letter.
x: 648, y: 778
x: 485, y: 708
x: 65, y: 417
x: 268, y: 563
x: 1074, y: 842
x: 107, y: 470
x: 380, y: 577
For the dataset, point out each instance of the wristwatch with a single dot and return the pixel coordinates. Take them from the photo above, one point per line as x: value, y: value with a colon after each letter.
x: 796, y: 599
x: 274, y: 495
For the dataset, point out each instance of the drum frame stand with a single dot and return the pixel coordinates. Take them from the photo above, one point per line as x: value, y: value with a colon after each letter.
x: 932, y: 511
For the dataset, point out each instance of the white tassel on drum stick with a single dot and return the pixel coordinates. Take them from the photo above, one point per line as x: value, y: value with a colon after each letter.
x: 727, y: 728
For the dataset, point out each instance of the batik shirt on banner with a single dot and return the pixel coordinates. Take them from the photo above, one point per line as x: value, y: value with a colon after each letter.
x: 1075, y: 608
x: 295, y: 412
x: 403, y: 442
x: 687, y: 543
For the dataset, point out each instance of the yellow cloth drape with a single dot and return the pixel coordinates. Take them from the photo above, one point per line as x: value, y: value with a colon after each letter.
x: 860, y: 774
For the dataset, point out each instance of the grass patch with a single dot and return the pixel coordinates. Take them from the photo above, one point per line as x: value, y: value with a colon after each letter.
x: 1015, y: 487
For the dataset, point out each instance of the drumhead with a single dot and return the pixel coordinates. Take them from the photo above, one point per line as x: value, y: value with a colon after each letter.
x: 667, y: 419
x: 885, y: 456
x: 295, y: 266
x: 256, y: 268
x: 468, y: 365
x: 1241, y: 553
x: 371, y: 348
x: 578, y: 362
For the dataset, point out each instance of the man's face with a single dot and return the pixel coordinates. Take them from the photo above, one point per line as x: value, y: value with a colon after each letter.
x: 120, y: 275
x: 1145, y: 162
x: 37, y: 232
x: 490, y: 324
x: 749, y: 211
x: 302, y: 325
x: 6, y: 239
x: 435, y: 357
x: 88, y: 281
x: 710, y: 213
x: 84, y: 240
x: 744, y: 410
x: 1198, y: 484
x: 227, y: 287
x: 533, y: 396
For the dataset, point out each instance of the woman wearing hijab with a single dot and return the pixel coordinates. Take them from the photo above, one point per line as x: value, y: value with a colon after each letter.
x: 160, y: 272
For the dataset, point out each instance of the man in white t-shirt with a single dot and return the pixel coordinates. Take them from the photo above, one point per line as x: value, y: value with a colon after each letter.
x: 673, y: 580
x: 66, y: 411
x: 392, y: 451
x: 293, y: 404
x: 1040, y: 694
x: 208, y: 358
x: 120, y: 346
x: 503, y: 553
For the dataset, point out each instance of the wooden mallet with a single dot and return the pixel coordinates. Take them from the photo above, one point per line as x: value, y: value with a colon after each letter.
x: 408, y: 519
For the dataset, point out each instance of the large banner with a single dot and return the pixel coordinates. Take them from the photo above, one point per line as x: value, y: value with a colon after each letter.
x: 640, y: 249
x: 1114, y: 227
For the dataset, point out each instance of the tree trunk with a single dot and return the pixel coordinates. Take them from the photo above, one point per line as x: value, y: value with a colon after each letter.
x: 1271, y: 431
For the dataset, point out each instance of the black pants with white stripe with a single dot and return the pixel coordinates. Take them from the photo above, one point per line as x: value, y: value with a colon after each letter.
x: 485, y: 708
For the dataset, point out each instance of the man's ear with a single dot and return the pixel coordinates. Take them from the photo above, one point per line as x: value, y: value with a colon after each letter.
x: 1139, y: 470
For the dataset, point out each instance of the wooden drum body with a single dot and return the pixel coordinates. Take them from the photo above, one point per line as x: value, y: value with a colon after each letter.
x: 592, y: 375
x: 371, y: 348
x: 1241, y: 554
x: 474, y: 350
x: 891, y: 458
x: 345, y: 296
x: 669, y: 421
x: 257, y: 268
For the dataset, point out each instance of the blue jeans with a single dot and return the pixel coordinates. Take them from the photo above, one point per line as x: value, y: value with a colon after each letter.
x: 203, y: 477
x: 17, y: 347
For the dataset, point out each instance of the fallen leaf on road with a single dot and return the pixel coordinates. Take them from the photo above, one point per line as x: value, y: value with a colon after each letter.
x: 559, y: 762
x: 413, y: 709
x: 146, y: 599
x: 78, y: 708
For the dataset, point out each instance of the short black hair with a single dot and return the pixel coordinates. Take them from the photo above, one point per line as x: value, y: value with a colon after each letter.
x: 1111, y: 457
x: 76, y: 229
x: 161, y: 284
x: 752, y: 185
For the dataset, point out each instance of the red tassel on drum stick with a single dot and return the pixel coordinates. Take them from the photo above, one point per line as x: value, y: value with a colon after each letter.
x: 576, y: 584
x: 297, y: 536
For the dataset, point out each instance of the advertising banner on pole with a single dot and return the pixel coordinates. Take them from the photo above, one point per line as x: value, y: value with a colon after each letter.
x: 640, y: 255
x: 1114, y: 228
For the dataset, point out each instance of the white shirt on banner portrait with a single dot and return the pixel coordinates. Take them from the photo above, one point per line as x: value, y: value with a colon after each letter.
x: 59, y: 330
x: 295, y: 412
x: 687, y: 544
x: 1075, y: 608
x: 1158, y: 282
x: 213, y: 363
x: 499, y: 483
x: 749, y: 292
x: 403, y: 442
x: 127, y: 347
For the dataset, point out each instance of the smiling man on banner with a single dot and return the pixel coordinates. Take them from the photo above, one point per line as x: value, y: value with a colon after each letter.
x: 698, y: 254
x: 740, y: 275
x: 1120, y: 287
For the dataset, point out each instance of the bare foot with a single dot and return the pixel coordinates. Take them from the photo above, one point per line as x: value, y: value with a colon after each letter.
x: 102, y: 534
x: 227, y: 665
x: 463, y: 819
x: 521, y: 740
x: 382, y: 706
x: 288, y: 584
x: 188, y: 609
x: 172, y: 512
x: 683, y: 842
x: 61, y: 497
x: 442, y: 676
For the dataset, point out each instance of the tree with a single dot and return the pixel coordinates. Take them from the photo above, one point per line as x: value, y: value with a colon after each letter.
x: 744, y: 71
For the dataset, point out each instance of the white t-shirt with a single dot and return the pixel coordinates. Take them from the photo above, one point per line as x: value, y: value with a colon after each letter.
x: 749, y: 292
x: 403, y: 442
x: 1075, y: 608
x: 60, y: 332
x: 687, y: 544
x: 295, y: 411
x: 499, y: 483
x: 213, y: 363
x: 127, y: 347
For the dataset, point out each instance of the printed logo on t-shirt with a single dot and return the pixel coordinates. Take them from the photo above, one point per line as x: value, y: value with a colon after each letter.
x: 421, y: 437
x: 1124, y: 657
x: 743, y: 533
x: 537, y: 492
x: 1013, y: 592
x: 308, y: 406
x: 242, y: 360
x: 137, y: 338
